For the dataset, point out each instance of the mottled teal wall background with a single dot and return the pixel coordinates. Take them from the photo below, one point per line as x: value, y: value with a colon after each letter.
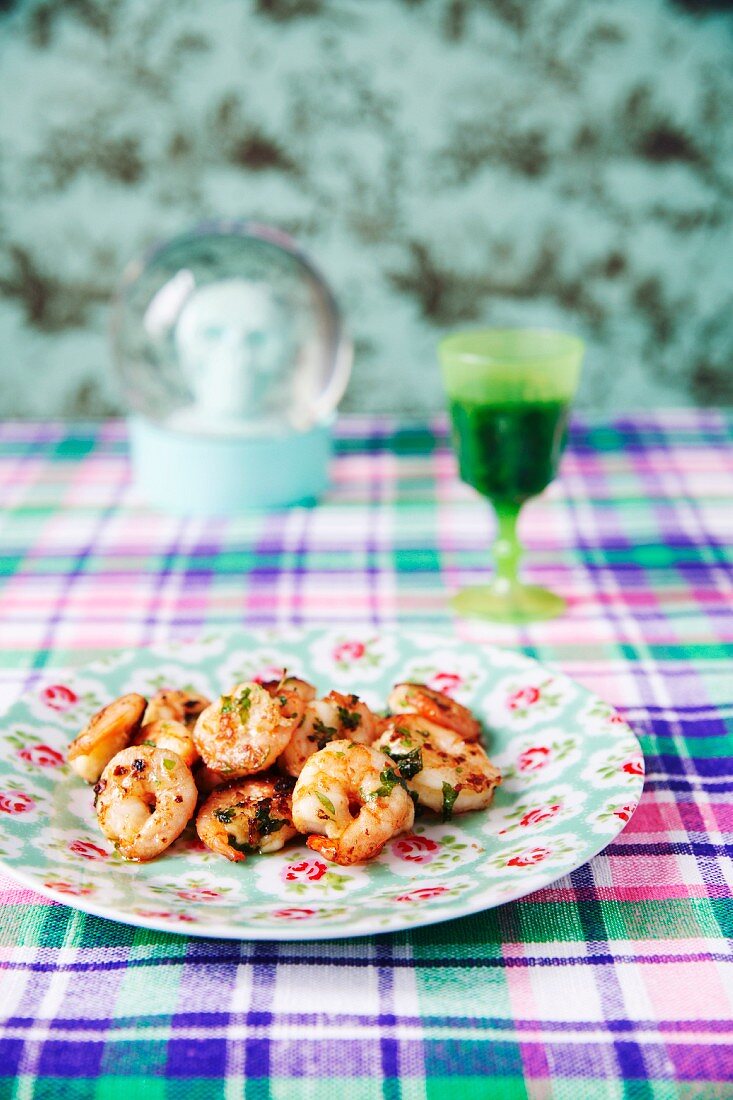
x: 447, y: 162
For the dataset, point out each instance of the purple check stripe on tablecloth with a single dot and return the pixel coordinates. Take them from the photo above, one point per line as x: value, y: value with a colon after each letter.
x: 616, y: 981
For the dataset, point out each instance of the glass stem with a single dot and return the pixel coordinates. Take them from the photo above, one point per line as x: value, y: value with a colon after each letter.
x: 507, y: 549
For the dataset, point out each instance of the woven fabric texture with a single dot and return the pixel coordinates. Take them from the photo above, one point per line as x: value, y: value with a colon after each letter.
x: 615, y: 982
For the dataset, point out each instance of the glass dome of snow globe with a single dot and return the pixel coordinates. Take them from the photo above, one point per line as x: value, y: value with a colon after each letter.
x: 232, y: 357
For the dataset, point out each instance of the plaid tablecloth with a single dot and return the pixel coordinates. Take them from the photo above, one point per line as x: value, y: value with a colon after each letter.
x: 615, y: 982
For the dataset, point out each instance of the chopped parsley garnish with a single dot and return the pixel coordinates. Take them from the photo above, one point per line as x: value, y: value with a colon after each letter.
x: 260, y: 826
x: 450, y: 794
x: 244, y: 703
x: 226, y: 816
x: 389, y: 780
x: 326, y: 803
x: 409, y: 763
x: 169, y: 765
x: 227, y: 704
x: 264, y: 822
x: 150, y: 744
x: 349, y: 719
x: 323, y: 733
x: 244, y: 847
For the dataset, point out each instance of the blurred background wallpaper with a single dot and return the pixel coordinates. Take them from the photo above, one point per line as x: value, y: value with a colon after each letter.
x: 446, y: 162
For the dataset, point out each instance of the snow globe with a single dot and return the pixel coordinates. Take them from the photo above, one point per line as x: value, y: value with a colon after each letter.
x: 232, y: 358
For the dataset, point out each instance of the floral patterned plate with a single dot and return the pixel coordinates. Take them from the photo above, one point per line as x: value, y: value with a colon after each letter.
x: 573, y: 773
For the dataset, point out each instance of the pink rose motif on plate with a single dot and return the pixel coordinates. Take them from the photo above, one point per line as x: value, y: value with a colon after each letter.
x: 529, y: 857
x: 534, y: 758
x: 68, y: 888
x: 523, y: 697
x: 528, y: 703
x: 540, y: 814
x: 349, y: 651
x: 293, y: 913
x: 42, y: 756
x: 415, y: 849
x: 447, y: 682
x: 164, y: 914
x: 607, y: 768
x: 59, y: 697
x: 306, y: 870
x: 16, y: 802
x: 266, y: 675
x: 87, y: 850
x: 423, y: 893
x: 198, y: 893
x: 623, y: 813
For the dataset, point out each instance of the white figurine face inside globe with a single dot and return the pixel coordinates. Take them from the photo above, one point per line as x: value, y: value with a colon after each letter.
x: 229, y: 330
x: 234, y: 352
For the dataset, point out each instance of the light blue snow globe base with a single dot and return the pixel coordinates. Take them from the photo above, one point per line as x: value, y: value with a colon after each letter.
x: 209, y: 476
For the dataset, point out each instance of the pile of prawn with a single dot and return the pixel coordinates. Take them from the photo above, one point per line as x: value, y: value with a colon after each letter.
x: 270, y: 761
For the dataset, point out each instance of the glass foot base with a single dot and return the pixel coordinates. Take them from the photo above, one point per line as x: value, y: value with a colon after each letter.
x: 522, y: 603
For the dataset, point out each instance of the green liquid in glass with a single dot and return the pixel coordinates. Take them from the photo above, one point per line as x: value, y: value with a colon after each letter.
x: 509, y: 452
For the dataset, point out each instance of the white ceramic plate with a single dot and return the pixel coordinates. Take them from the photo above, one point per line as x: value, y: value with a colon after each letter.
x: 573, y: 773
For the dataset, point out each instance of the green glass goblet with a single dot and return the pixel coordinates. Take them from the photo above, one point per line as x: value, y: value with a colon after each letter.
x: 509, y: 394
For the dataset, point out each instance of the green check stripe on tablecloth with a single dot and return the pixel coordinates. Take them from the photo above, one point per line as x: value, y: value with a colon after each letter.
x: 614, y: 982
